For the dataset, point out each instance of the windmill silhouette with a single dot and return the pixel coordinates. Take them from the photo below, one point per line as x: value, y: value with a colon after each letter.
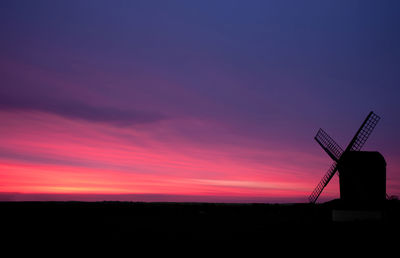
x: 341, y: 163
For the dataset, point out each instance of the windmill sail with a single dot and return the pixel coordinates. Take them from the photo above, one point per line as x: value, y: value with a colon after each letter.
x: 364, y: 132
x: 324, y: 182
x: 329, y: 145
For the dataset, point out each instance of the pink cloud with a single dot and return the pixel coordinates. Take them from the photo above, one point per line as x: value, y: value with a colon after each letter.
x: 61, y: 156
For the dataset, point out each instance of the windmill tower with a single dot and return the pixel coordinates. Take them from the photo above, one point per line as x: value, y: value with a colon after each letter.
x: 362, y: 175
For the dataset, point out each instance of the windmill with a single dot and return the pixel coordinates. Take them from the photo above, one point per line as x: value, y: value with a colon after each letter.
x: 336, y: 152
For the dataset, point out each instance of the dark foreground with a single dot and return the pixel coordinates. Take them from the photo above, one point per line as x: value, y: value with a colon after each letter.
x: 130, y: 223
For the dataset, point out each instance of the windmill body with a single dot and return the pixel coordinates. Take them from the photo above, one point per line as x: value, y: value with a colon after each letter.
x: 362, y: 175
x: 362, y: 178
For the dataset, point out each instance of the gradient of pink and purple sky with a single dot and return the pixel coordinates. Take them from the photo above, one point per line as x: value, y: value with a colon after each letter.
x: 191, y: 100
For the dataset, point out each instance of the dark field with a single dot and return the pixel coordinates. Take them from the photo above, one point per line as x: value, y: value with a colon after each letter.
x: 125, y: 222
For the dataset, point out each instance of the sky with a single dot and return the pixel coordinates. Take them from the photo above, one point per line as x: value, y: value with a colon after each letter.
x: 214, y: 101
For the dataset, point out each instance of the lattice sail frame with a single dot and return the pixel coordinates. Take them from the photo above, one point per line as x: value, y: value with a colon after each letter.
x: 329, y: 145
x: 324, y: 182
x: 364, y: 132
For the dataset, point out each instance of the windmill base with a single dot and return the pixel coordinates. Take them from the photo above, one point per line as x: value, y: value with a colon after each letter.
x: 356, y: 215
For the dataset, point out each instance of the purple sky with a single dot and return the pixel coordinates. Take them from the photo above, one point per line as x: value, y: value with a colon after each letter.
x: 209, y: 75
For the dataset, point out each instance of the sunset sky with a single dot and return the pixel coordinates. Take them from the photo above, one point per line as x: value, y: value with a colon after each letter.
x: 191, y: 100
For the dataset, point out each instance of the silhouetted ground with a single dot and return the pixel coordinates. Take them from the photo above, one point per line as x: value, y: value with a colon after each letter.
x: 132, y: 223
